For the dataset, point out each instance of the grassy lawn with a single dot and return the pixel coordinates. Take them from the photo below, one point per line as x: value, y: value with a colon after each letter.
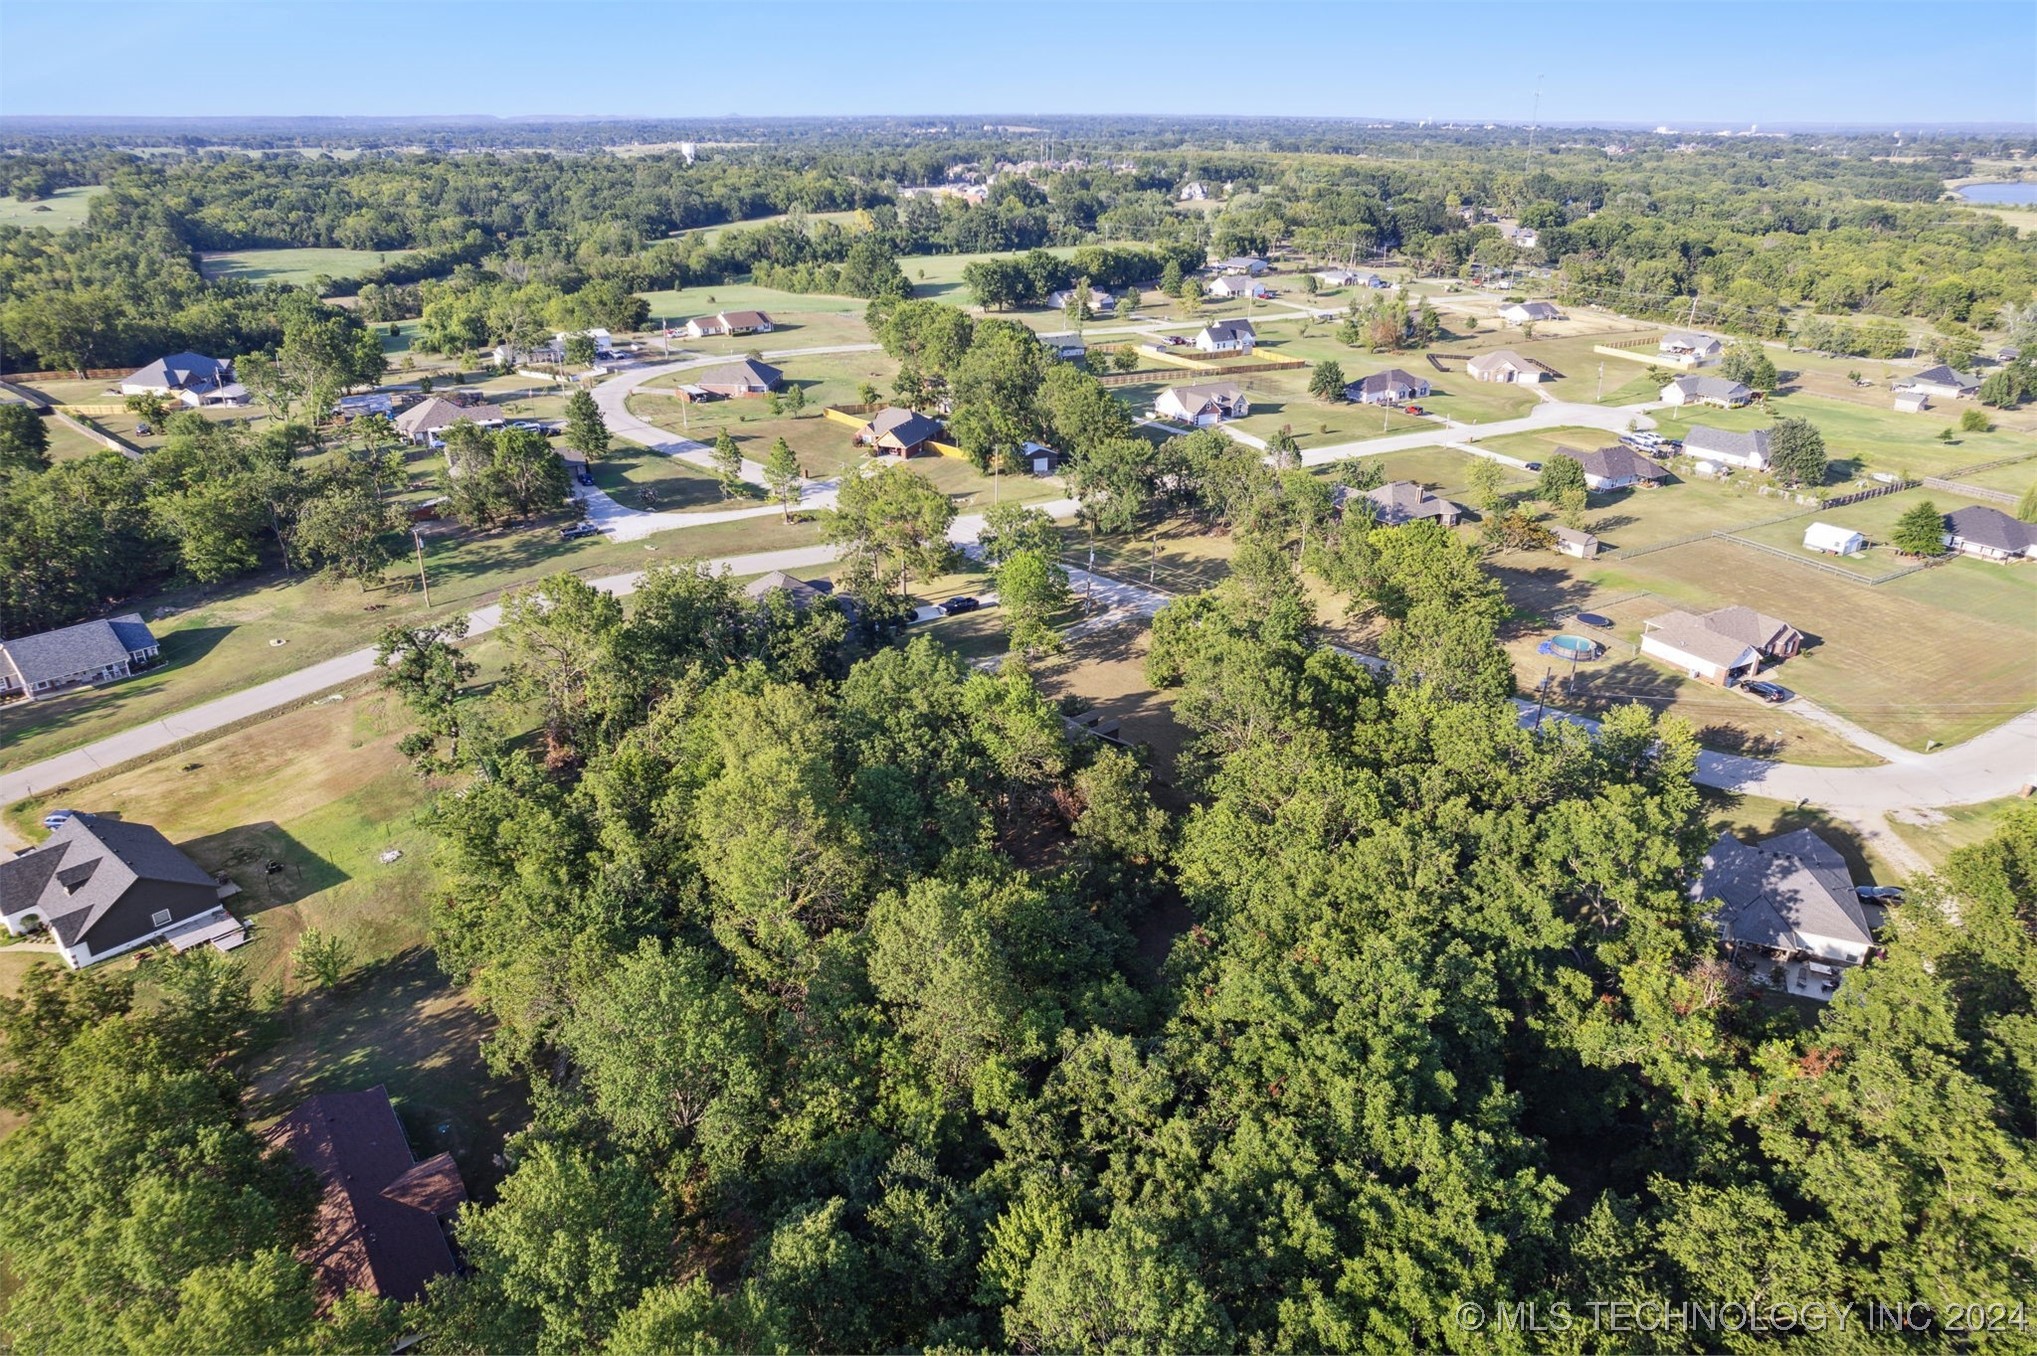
x: 1937, y: 834
x: 677, y: 305
x: 2016, y: 478
x: 298, y: 265
x: 792, y: 329
x: 811, y: 219
x: 60, y: 211
x: 218, y: 642
x: 1543, y: 444
x: 639, y: 478
x: 1861, y: 439
x: 1873, y: 518
x: 66, y: 442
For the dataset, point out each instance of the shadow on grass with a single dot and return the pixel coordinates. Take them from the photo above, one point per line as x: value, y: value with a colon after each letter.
x: 244, y: 854
x: 400, y: 1023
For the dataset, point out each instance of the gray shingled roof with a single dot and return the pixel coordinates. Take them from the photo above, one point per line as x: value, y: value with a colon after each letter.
x: 1712, y: 388
x: 1230, y: 329
x: 85, y: 868
x: 84, y: 648
x: 748, y: 372
x: 907, y: 426
x: 1779, y: 892
x: 1991, y: 527
x: 1402, y: 501
x: 1692, y: 635
x: 1392, y: 379
x: 1700, y: 440
x: 1618, y: 463
x: 1942, y: 375
x: 180, y: 371
x: 1746, y: 625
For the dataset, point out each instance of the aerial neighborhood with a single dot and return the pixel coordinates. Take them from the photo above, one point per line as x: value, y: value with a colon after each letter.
x: 806, y: 732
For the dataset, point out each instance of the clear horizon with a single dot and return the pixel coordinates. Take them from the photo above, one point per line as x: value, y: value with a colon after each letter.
x: 1595, y: 64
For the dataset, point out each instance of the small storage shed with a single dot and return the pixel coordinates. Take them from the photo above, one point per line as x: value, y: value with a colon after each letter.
x: 1830, y: 539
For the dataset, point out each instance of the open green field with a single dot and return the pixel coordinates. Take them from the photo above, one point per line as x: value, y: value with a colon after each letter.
x: 1542, y: 444
x: 61, y: 211
x: 216, y: 642
x: 1937, y: 834
x: 2017, y: 478
x: 299, y: 265
x: 677, y: 305
x: 810, y: 218
x: 1873, y: 518
x: 940, y: 275
x: 1861, y: 439
x: 639, y: 478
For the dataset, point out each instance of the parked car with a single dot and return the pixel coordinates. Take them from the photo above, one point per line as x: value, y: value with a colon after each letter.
x: 1531, y: 465
x: 961, y: 603
x: 55, y: 818
x: 527, y: 425
x: 577, y: 531
x: 1412, y: 409
x: 1880, y: 894
x: 584, y: 477
x: 1594, y: 619
x: 1768, y: 692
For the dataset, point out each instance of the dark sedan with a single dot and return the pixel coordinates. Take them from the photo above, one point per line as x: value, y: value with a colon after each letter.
x: 1768, y: 692
x: 961, y: 603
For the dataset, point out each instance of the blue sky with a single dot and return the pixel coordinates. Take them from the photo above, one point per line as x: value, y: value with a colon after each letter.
x: 1685, y: 64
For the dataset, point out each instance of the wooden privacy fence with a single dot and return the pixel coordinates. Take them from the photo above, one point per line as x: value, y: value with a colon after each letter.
x: 1980, y: 492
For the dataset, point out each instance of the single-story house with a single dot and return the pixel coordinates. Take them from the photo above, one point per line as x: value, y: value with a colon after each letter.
x: 1523, y: 237
x: 802, y: 593
x: 1344, y: 277
x: 189, y: 378
x: 547, y: 354
x: 1748, y: 450
x: 1210, y: 403
x: 1241, y: 263
x: 1912, y: 402
x: 1699, y: 350
x: 426, y: 420
x: 372, y: 402
x: 745, y: 378
x: 1831, y: 539
x: 104, y: 887
x: 604, y: 342
x: 1706, y: 391
x: 1789, y: 897
x: 1194, y: 192
x: 1529, y: 312
x: 1503, y: 364
x: 1227, y: 336
x: 1099, y: 299
x: 1231, y: 287
x: 1990, y: 534
x: 1391, y: 387
x: 1940, y: 381
x: 1683, y: 641
x: 899, y: 432
x: 382, y: 1216
x: 1771, y: 637
x: 44, y: 664
x: 1616, y: 467
x: 1571, y: 542
x: 1067, y: 347
x: 1404, y: 501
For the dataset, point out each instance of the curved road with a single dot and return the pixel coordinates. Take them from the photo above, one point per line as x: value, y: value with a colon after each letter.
x: 1999, y: 763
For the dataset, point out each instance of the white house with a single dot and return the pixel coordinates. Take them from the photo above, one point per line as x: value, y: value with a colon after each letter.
x: 1391, y: 387
x: 1231, y: 286
x: 188, y: 378
x: 1990, y: 534
x: 1503, y: 364
x: 1344, y: 277
x: 727, y: 322
x: 1912, y: 402
x: 1683, y: 641
x: 1690, y: 349
x: 1706, y: 391
x: 1616, y: 468
x: 1202, y: 406
x: 1100, y: 301
x: 49, y: 662
x: 1227, y: 336
x: 604, y: 342
x: 1241, y: 263
x: 1195, y: 192
x: 1529, y: 312
x: 1940, y: 381
x: 1749, y: 451
x: 1833, y: 540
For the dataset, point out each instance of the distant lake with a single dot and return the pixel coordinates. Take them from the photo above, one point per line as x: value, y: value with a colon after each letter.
x: 2001, y: 195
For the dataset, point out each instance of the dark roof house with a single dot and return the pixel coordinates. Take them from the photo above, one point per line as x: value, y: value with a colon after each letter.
x: 745, y: 378
x: 899, y: 430
x: 1616, y: 467
x: 801, y: 593
x: 178, y: 372
x: 1227, y: 336
x: 104, y: 887
x: 1989, y: 533
x: 1387, y: 388
x: 1706, y: 391
x: 1940, y: 381
x: 381, y: 1218
x: 1404, y: 501
x: 1790, y: 895
x: 90, y: 652
x: 1748, y: 449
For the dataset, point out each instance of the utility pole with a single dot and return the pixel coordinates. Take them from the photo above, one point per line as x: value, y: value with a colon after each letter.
x: 417, y: 537
x: 1534, y: 119
x: 1601, y: 382
x: 1541, y: 696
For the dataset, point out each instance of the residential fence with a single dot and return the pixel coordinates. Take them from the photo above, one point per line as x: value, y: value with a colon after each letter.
x: 1980, y: 492
x: 89, y: 374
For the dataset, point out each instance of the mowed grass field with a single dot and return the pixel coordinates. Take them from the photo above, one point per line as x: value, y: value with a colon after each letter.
x: 61, y: 211
x: 293, y: 265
